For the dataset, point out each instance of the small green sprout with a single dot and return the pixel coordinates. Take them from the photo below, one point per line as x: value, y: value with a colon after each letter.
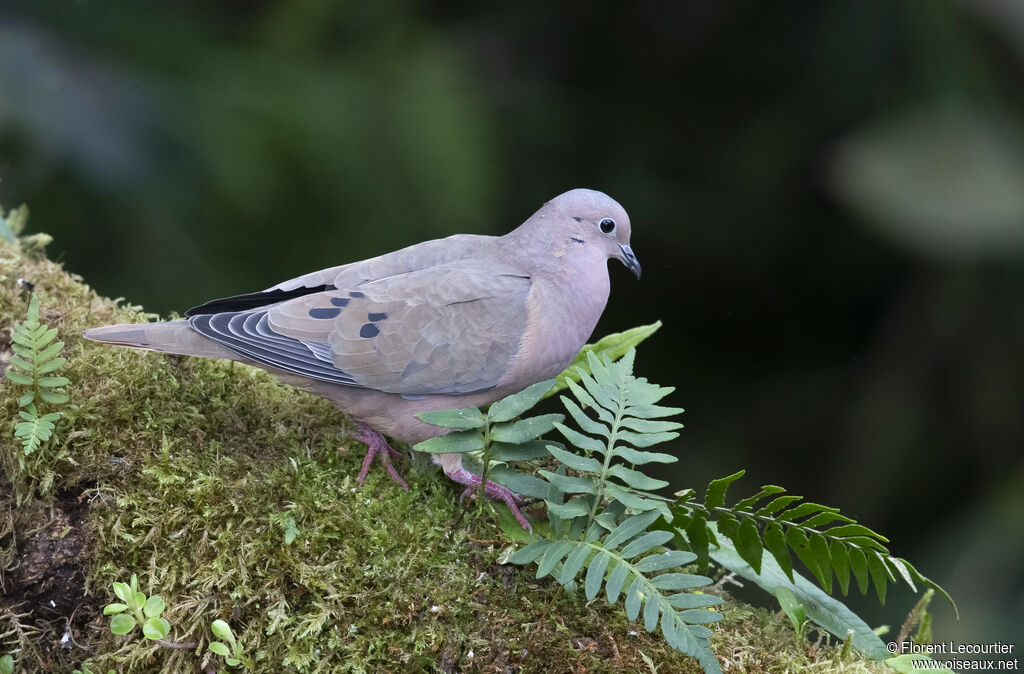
x: 137, y: 609
x: 6, y: 664
x: 232, y: 655
x: 793, y: 609
x: 291, y: 530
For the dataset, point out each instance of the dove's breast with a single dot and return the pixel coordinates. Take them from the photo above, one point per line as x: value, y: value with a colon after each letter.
x: 561, y: 317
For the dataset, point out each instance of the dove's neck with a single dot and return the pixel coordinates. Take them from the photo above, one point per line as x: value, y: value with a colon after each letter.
x: 568, y: 294
x: 545, y: 246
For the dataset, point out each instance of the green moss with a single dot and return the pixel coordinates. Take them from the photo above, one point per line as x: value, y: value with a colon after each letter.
x: 185, y: 470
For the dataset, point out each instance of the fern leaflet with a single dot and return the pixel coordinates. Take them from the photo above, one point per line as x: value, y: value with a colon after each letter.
x: 35, y: 430
x: 623, y: 562
x: 827, y: 542
x: 626, y: 414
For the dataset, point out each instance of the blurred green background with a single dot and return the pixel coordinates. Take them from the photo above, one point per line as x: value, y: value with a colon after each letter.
x: 827, y: 199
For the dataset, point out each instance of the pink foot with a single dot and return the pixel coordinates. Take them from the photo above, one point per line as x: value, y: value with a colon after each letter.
x: 491, y: 490
x: 377, y: 445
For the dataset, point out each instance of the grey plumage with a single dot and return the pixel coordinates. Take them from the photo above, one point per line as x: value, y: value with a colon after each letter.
x: 446, y: 323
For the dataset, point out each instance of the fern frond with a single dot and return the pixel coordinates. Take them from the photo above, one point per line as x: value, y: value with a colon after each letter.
x: 830, y: 544
x: 600, y: 508
x: 623, y: 562
x: 624, y: 410
x: 36, y: 357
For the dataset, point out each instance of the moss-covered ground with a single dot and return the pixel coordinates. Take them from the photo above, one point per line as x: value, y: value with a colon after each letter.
x: 191, y: 472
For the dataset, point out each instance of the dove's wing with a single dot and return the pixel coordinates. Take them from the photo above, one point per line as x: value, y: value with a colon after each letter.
x: 447, y: 329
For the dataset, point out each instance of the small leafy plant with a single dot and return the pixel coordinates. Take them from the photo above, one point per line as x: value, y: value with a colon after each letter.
x: 608, y: 528
x: 232, y: 650
x: 6, y: 664
x: 489, y: 440
x: 286, y: 523
x: 36, y: 358
x: 137, y: 609
x: 494, y: 436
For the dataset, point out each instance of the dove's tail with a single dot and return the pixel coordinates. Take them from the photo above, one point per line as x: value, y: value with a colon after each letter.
x: 167, y: 337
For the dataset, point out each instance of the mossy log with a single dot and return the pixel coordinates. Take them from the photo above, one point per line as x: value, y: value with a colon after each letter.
x: 195, y: 473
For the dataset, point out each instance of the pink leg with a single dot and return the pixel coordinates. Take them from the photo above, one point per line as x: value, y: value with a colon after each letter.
x: 491, y: 490
x: 377, y: 445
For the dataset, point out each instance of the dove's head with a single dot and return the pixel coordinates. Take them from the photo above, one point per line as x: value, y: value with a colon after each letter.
x: 593, y: 220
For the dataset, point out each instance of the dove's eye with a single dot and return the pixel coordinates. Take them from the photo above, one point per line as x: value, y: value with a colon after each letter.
x: 607, y: 225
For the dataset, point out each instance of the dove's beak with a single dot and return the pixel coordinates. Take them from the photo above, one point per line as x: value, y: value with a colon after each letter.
x: 629, y: 259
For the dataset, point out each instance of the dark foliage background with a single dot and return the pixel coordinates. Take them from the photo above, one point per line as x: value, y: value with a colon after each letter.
x: 827, y: 198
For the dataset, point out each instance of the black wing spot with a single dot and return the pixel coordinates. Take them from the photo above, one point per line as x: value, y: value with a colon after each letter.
x: 356, y: 294
x: 324, y: 312
x: 373, y: 317
x: 340, y: 301
x: 577, y: 219
x: 369, y: 330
